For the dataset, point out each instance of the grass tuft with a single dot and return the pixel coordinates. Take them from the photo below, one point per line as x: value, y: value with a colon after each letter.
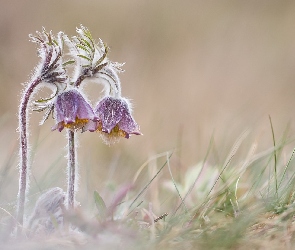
x: 243, y: 203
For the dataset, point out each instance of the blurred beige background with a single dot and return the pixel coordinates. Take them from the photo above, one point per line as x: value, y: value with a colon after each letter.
x: 193, y: 68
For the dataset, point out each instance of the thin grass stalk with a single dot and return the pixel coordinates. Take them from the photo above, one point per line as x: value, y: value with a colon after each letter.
x: 275, y: 156
x: 259, y: 177
x: 196, y: 180
x: 24, y: 151
x: 71, y: 169
x: 169, y: 168
x: 286, y: 167
x: 147, y: 185
x: 233, y: 152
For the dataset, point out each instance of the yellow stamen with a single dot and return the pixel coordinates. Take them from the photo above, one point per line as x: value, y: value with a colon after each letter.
x: 79, y: 123
x: 113, y: 136
x: 117, y: 132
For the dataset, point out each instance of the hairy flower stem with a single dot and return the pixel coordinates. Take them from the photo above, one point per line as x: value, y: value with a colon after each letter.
x: 71, y: 169
x: 24, y: 150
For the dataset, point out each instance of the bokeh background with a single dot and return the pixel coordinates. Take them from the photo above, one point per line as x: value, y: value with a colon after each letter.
x: 193, y: 69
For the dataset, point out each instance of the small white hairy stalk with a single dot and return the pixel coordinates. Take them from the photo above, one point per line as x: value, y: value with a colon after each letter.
x: 111, y: 81
x: 48, y: 71
x: 72, y: 171
x: 24, y: 154
x: 91, y: 61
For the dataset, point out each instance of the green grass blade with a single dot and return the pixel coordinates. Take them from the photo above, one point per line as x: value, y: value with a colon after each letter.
x: 275, y: 155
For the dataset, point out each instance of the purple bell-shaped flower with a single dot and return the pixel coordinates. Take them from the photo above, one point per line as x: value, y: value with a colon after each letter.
x: 72, y: 111
x: 114, y: 120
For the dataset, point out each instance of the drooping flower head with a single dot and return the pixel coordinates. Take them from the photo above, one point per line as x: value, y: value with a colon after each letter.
x: 112, y: 116
x: 114, y: 120
x: 113, y: 112
x: 72, y: 110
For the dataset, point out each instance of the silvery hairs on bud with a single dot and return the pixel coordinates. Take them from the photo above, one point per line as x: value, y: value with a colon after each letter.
x: 47, y: 216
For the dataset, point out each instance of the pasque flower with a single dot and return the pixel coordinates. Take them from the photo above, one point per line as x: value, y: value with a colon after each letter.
x: 112, y: 116
x: 114, y: 119
x: 72, y: 111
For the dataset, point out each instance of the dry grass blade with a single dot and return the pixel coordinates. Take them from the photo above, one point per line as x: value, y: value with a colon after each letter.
x: 233, y: 151
x: 145, y: 164
x: 147, y: 185
x: 196, y: 180
x: 182, y: 200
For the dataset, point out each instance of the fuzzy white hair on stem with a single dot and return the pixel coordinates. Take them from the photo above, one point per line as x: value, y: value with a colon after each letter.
x: 49, y: 70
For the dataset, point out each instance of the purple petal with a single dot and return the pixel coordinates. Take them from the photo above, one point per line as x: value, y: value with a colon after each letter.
x: 66, y: 107
x: 109, y: 111
x: 84, y: 109
x: 69, y: 106
x: 128, y: 124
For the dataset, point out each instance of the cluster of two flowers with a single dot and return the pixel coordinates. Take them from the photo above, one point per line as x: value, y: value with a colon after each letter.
x: 111, y: 116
